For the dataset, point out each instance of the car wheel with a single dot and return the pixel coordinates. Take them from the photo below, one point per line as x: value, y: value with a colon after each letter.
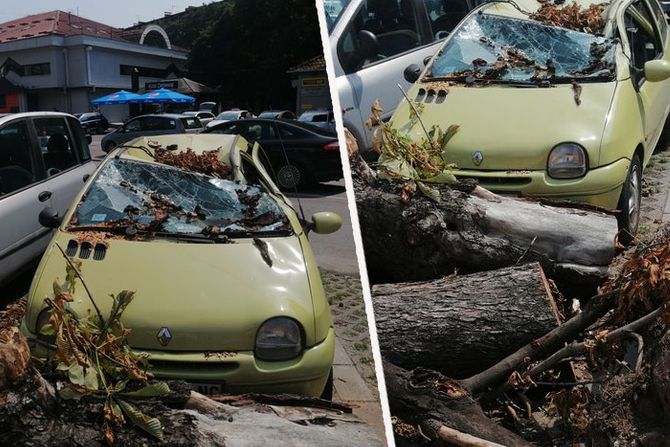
x: 629, y: 202
x: 109, y: 147
x: 327, y: 393
x: 290, y: 176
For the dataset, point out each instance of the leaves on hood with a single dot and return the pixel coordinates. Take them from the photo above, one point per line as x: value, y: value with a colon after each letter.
x: 262, y: 247
x: 207, y: 162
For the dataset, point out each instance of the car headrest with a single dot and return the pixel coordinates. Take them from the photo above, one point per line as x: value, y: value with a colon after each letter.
x: 57, y: 143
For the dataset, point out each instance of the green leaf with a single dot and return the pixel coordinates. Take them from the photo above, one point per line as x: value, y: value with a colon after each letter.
x: 148, y: 424
x: 48, y: 329
x: 394, y: 168
x: 429, y: 192
x: 443, y: 177
x: 152, y: 390
x: 444, y: 139
x: 69, y: 393
x: 86, y: 377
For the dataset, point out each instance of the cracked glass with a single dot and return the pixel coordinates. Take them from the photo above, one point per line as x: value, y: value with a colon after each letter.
x: 526, y: 47
x: 128, y: 192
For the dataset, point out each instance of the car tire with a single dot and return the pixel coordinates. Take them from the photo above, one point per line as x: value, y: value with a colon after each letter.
x: 327, y: 393
x: 290, y: 176
x: 109, y: 146
x: 629, y: 202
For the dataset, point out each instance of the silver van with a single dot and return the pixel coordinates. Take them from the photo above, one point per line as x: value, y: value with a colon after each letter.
x: 374, y: 41
x: 44, y: 162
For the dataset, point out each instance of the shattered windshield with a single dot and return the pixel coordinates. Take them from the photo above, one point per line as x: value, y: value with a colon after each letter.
x: 490, y: 47
x: 156, y: 198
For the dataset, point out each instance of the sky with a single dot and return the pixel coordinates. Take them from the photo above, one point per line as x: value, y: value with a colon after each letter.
x: 117, y: 13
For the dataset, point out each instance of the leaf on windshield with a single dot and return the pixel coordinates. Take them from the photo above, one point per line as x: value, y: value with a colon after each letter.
x: 262, y: 247
x: 574, y: 17
x: 207, y: 163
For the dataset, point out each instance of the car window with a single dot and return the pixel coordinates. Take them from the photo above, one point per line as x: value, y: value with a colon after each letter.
x: 444, y: 15
x: 227, y: 116
x: 334, y: 10
x: 80, y: 141
x: 55, y: 145
x: 191, y: 123
x: 260, y: 131
x: 642, y: 36
x: 205, y: 115
x: 16, y: 166
x: 287, y: 131
x: 394, y: 24
x: 233, y: 129
x: 660, y: 18
x: 133, y: 126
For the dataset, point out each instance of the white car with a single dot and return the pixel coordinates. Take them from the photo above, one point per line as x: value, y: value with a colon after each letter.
x: 374, y: 41
x: 44, y: 162
x: 203, y: 115
x: 230, y: 115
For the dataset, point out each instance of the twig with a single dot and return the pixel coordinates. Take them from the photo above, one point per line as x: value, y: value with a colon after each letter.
x: 81, y: 278
x: 523, y: 255
x: 458, y: 438
x: 416, y: 112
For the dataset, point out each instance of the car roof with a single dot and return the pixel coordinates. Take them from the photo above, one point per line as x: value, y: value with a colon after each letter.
x: 5, y: 117
x: 199, y: 143
x: 161, y: 115
x: 302, y: 125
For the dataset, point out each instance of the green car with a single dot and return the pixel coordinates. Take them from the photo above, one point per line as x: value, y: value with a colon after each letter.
x: 546, y: 111
x: 227, y: 292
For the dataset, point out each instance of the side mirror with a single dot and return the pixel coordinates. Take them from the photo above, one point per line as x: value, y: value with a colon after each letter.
x: 326, y: 222
x: 412, y: 73
x: 48, y: 218
x: 657, y: 70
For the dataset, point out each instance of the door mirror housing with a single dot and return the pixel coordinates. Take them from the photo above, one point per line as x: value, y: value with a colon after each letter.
x: 412, y: 73
x: 657, y: 70
x: 49, y: 218
x: 326, y: 222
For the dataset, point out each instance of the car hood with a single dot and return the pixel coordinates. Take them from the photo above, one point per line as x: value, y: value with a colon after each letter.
x: 514, y: 128
x: 212, y: 297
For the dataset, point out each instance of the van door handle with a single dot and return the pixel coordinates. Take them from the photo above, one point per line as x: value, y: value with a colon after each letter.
x: 86, y: 177
x: 44, y: 196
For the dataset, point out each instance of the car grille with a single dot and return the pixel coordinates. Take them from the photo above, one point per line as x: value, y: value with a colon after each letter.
x: 179, y: 369
x: 499, y: 181
x: 99, y: 250
x: 431, y: 95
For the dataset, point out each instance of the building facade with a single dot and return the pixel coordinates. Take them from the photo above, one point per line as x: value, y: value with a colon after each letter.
x: 311, y: 83
x: 59, y: 61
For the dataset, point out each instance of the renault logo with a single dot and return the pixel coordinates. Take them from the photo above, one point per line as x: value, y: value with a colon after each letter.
x: 164, y: 336
x: 477, y: 158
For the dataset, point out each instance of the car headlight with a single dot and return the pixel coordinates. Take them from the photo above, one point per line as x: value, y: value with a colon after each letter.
x: 279, y: 338
x: 567, y: 160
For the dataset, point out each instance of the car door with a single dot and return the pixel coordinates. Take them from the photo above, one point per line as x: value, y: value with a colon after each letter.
x: 65, y: 159
x: 404, y: 37
x: 646, y: 43
x: 22, y: 198
x: 131, y: 130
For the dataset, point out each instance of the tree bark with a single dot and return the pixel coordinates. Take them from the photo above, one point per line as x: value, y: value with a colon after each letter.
x: 433, y: 401
x: 460, y: 326
x: 473, y: 229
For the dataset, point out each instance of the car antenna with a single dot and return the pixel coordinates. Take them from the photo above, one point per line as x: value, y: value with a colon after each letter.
x: 295, y: 186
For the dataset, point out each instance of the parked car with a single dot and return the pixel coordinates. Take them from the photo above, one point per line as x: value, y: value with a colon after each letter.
x: 44, y: 159
x: 203, y: 116
x: 319, y: 118
x: 94, y: 122
x: 209, y: 106
x: 299, y: 154
x: 259, y: 295
x: 157, y: 124
x: 278, y: 114
x: 583, y: 131
x: 372, y: 41
x: 230, y: 115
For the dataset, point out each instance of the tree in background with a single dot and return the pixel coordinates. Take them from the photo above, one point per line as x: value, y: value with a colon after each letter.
x: 248, y: 49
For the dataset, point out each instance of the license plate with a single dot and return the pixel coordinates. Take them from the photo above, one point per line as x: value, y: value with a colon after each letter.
x: 208, y: 388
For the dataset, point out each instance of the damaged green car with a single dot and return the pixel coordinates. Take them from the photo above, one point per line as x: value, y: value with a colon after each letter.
x: 547, y: 107
x: 227, y: 292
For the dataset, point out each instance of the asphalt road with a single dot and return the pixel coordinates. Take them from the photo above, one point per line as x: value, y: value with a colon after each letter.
x: 336, y: 251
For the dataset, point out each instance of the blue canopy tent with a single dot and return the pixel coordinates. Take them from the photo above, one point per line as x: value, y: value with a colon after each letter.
x: 165, y: 96
x: 120, y: 97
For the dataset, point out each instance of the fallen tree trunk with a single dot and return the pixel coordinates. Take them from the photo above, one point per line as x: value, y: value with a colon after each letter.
x: 432, y: 401
x: 473, y: 229
x: 460, y: 326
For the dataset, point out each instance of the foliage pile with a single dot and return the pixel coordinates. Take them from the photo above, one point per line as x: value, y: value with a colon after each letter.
x: 207, y: 163
x: 93, y: 352
x: 403, y: 158
x: 574, y: 17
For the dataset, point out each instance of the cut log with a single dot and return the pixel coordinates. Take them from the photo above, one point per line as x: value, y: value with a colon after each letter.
x: 462, y: 325
x: 473, y: 229
x: 433, y: 401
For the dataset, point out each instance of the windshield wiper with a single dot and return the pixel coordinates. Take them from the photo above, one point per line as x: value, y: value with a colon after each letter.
x: 469, y: 80
x: 251, y: 234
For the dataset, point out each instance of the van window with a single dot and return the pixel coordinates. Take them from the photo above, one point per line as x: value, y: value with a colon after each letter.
x: 191, y: 123
x: 444, y: 15
x: 16, y: 167
x: 393, y: 23
x: 55, y: 145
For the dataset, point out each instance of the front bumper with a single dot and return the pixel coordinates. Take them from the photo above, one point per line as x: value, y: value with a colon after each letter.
x: 237, y: 372
x: 600, y: 186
